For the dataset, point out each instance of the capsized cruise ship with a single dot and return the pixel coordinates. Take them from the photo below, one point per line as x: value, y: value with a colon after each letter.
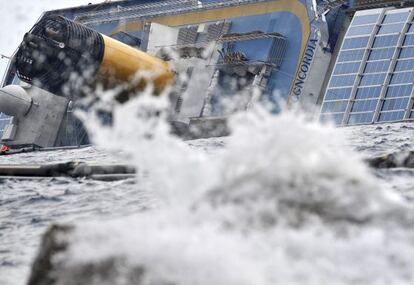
x: 351, y: 62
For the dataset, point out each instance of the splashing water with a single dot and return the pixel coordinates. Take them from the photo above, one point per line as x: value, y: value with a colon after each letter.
x: 285, y: 201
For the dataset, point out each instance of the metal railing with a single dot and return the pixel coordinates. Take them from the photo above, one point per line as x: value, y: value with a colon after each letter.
x: 370, y: 4
x: 156, y: 9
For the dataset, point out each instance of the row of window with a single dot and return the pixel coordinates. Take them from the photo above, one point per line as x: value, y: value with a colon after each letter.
x: 372, y: 79
x: 393, y: 91
x: 370, y: 105
x: 375, y: 71
x: 375, y: 54
x: 388, y: 19
x: 383, y: 30
x: 376, y: 66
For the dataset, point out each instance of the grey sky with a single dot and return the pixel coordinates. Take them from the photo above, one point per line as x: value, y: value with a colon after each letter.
x: 18, y: 16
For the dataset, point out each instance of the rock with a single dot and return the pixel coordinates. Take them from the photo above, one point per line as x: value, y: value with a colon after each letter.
x: 51, y: 266
x: 393, y: 160
x: 51, y: 245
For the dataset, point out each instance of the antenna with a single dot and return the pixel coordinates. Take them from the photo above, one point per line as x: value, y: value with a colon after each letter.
x: 2, y: 56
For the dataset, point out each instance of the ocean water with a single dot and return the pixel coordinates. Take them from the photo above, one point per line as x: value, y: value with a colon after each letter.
x: 281, y: 201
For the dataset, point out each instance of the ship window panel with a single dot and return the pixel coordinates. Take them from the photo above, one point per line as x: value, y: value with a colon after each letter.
x: 377, y: 66
x: 3, y: 123
x: 335, y: 118
x: 407, y: 52
x: 364, y: 105
x: 361, y: 118
x: 378, y: 54
x: 411, y: 29
x: 395, y: 18
x: 404, y: 65
x: 342, y: 81
x: 372, y: 79
x: 409, y: 40
x: 402, y: 77
x: 399, y: 91
x: 338, y: 94
x: 368, y: 92
x: 334, y: 106
x: 385, y: 41
x: 391, y: 116
x: 364, y: 20
x: 412, y: 115
x: 347, y: 68
x: 360, y: 30
x: 395, y: 104
x: 353, y: 43
x: 351, y: 55
x: 391, y: 28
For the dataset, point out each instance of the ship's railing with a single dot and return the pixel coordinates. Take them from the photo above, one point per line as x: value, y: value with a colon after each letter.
x: 156, y: 9
x: 370, y: 4
x: 330, y: 4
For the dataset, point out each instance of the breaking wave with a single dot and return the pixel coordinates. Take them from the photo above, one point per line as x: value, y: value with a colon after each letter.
x: 284, y: 201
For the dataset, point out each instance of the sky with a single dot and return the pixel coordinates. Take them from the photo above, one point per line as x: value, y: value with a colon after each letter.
x: 18, y: 16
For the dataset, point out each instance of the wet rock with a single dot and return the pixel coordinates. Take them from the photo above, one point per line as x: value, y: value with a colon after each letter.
x: 52, y: 244
x: 393, y: 160
x: 52, y: 267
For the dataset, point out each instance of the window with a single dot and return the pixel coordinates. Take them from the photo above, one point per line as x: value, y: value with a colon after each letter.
x: 364, y: 105
x: 385, y: 41
x: 399, y: 91
x: 342, y: 81
x: 404, y: 65
x: 334, y: 106
x: 377, y: 66
x: 409, y: 40
x: 366, y: 19
x: 395, y: 104
x: 360, y: 30
x: 402, y: 77
x: 407, y: 52
x: 391, y: 116
x: 338, y: 94
x: 347, y: 68
x: 391, y: 29
x: 351, y: 55
x: 368, y: 92
x: 395, y: 18
x: 385, y: 53
x: 361, y: 118
x: 411, y: 29
x: 353, y: 43
x: 335, y: 118
x: 373, y: 79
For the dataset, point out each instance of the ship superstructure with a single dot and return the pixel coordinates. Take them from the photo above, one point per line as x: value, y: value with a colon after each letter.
x: 291, y: 50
